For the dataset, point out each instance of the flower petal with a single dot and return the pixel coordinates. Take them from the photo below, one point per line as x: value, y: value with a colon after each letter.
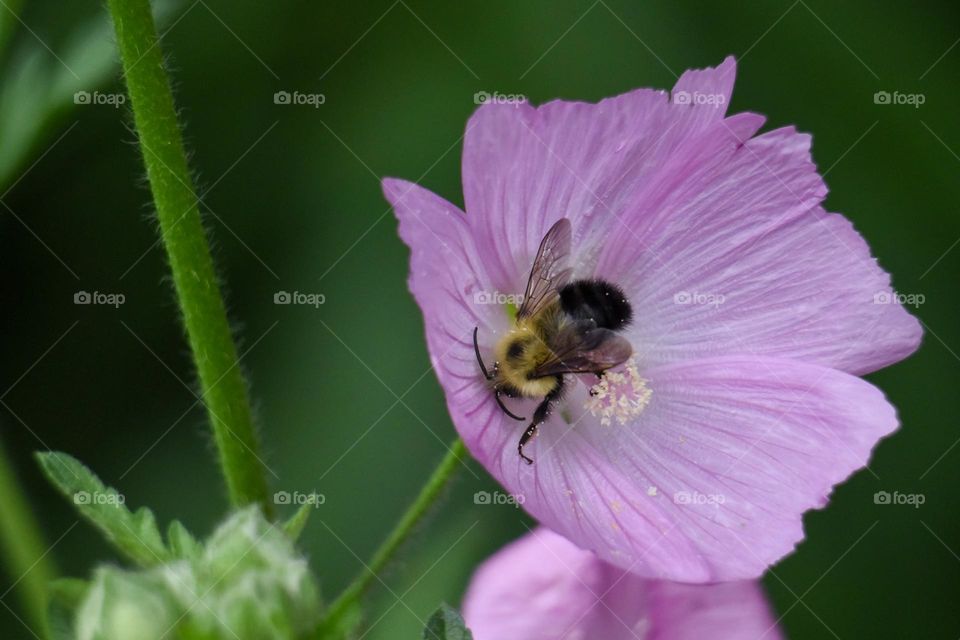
x: 727, y: 610
x: 446, y: 275
x: 711, y: 481
x: 706, y: 93
x: 729, y: 252
x: 542, y: 587
x: 526, y: 167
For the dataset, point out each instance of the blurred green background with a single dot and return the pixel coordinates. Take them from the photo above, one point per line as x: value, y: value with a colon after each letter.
x: 294, y: 204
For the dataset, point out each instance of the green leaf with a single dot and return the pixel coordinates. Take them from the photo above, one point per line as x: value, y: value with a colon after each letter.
x: 446, y: 624
x: 294, y: 526
x: 181, y: 542
x: 38, y: 90
x: 135, y: 535
x: 65, y: 596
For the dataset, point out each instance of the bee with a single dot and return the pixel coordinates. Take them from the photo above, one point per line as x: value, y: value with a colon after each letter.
x: 561, y: 328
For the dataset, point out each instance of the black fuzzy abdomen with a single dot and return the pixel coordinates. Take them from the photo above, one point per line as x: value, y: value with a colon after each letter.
x: 596, y: 300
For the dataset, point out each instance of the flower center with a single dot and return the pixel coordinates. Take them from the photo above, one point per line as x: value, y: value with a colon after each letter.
x: 619, y: 395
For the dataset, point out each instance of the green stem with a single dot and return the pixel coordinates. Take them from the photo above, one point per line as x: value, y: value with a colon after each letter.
x: 24, y: 553
x: 401, y: 532
x: 198, y: 292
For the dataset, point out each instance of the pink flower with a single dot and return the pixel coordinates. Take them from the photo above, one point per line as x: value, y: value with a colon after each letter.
x: 753, y: 312
x: 542, y: 587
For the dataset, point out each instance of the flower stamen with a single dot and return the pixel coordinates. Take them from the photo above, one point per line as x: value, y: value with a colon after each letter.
x: 619, y: 395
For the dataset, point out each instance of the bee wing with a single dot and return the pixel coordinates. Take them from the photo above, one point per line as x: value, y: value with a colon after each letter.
x: 576, y: 350
x: 550, y: 271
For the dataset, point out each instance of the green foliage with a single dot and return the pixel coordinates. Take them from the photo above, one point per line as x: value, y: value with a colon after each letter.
x: 341, y: 609
x: 181, y: 542
x: 65, y: 596
x: 38, y: 90
x: 23, y: 549
x: 135, y: 535
x: 245, y: 581
x: 446, y: 624
x: 126, y: 604
x: 294, y: 526
x: 343, y: 625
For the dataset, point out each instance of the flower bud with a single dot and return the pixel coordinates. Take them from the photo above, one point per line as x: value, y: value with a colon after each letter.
x: 247, y: 581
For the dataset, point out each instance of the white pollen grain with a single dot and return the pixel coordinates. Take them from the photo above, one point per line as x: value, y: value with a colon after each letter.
x: 619, y: 395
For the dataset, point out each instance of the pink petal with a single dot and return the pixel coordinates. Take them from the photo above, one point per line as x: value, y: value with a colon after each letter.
x: 542, y: 587
x: 727, y: 610
x: 446, y: 273
x: 708, y: 91
x: 729, y: 253
x: 710, y: 482
x: 523, y: 168
x: 669, y: 199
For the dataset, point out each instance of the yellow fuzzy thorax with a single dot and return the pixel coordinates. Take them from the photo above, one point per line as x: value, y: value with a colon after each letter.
x: 530, y: 333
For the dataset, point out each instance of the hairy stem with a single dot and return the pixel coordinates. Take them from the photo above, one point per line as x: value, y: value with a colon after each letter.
x: 24, y: 554
x: 204, y: 315
x: 432, y: 490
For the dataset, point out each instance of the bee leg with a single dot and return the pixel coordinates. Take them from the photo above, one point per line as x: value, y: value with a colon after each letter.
x: 476, y: 350
x: 599, y: 375
x: 529, y: 433
x: 540, y: 416
x: 497, y: 393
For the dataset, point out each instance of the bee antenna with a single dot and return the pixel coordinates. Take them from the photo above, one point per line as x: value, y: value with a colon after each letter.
x: 476, y: 350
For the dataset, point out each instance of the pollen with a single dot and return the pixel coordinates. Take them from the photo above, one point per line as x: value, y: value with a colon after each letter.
x: 619, y: 395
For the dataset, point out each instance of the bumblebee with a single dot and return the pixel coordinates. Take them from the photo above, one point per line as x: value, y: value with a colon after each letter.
x: 562, y: 327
